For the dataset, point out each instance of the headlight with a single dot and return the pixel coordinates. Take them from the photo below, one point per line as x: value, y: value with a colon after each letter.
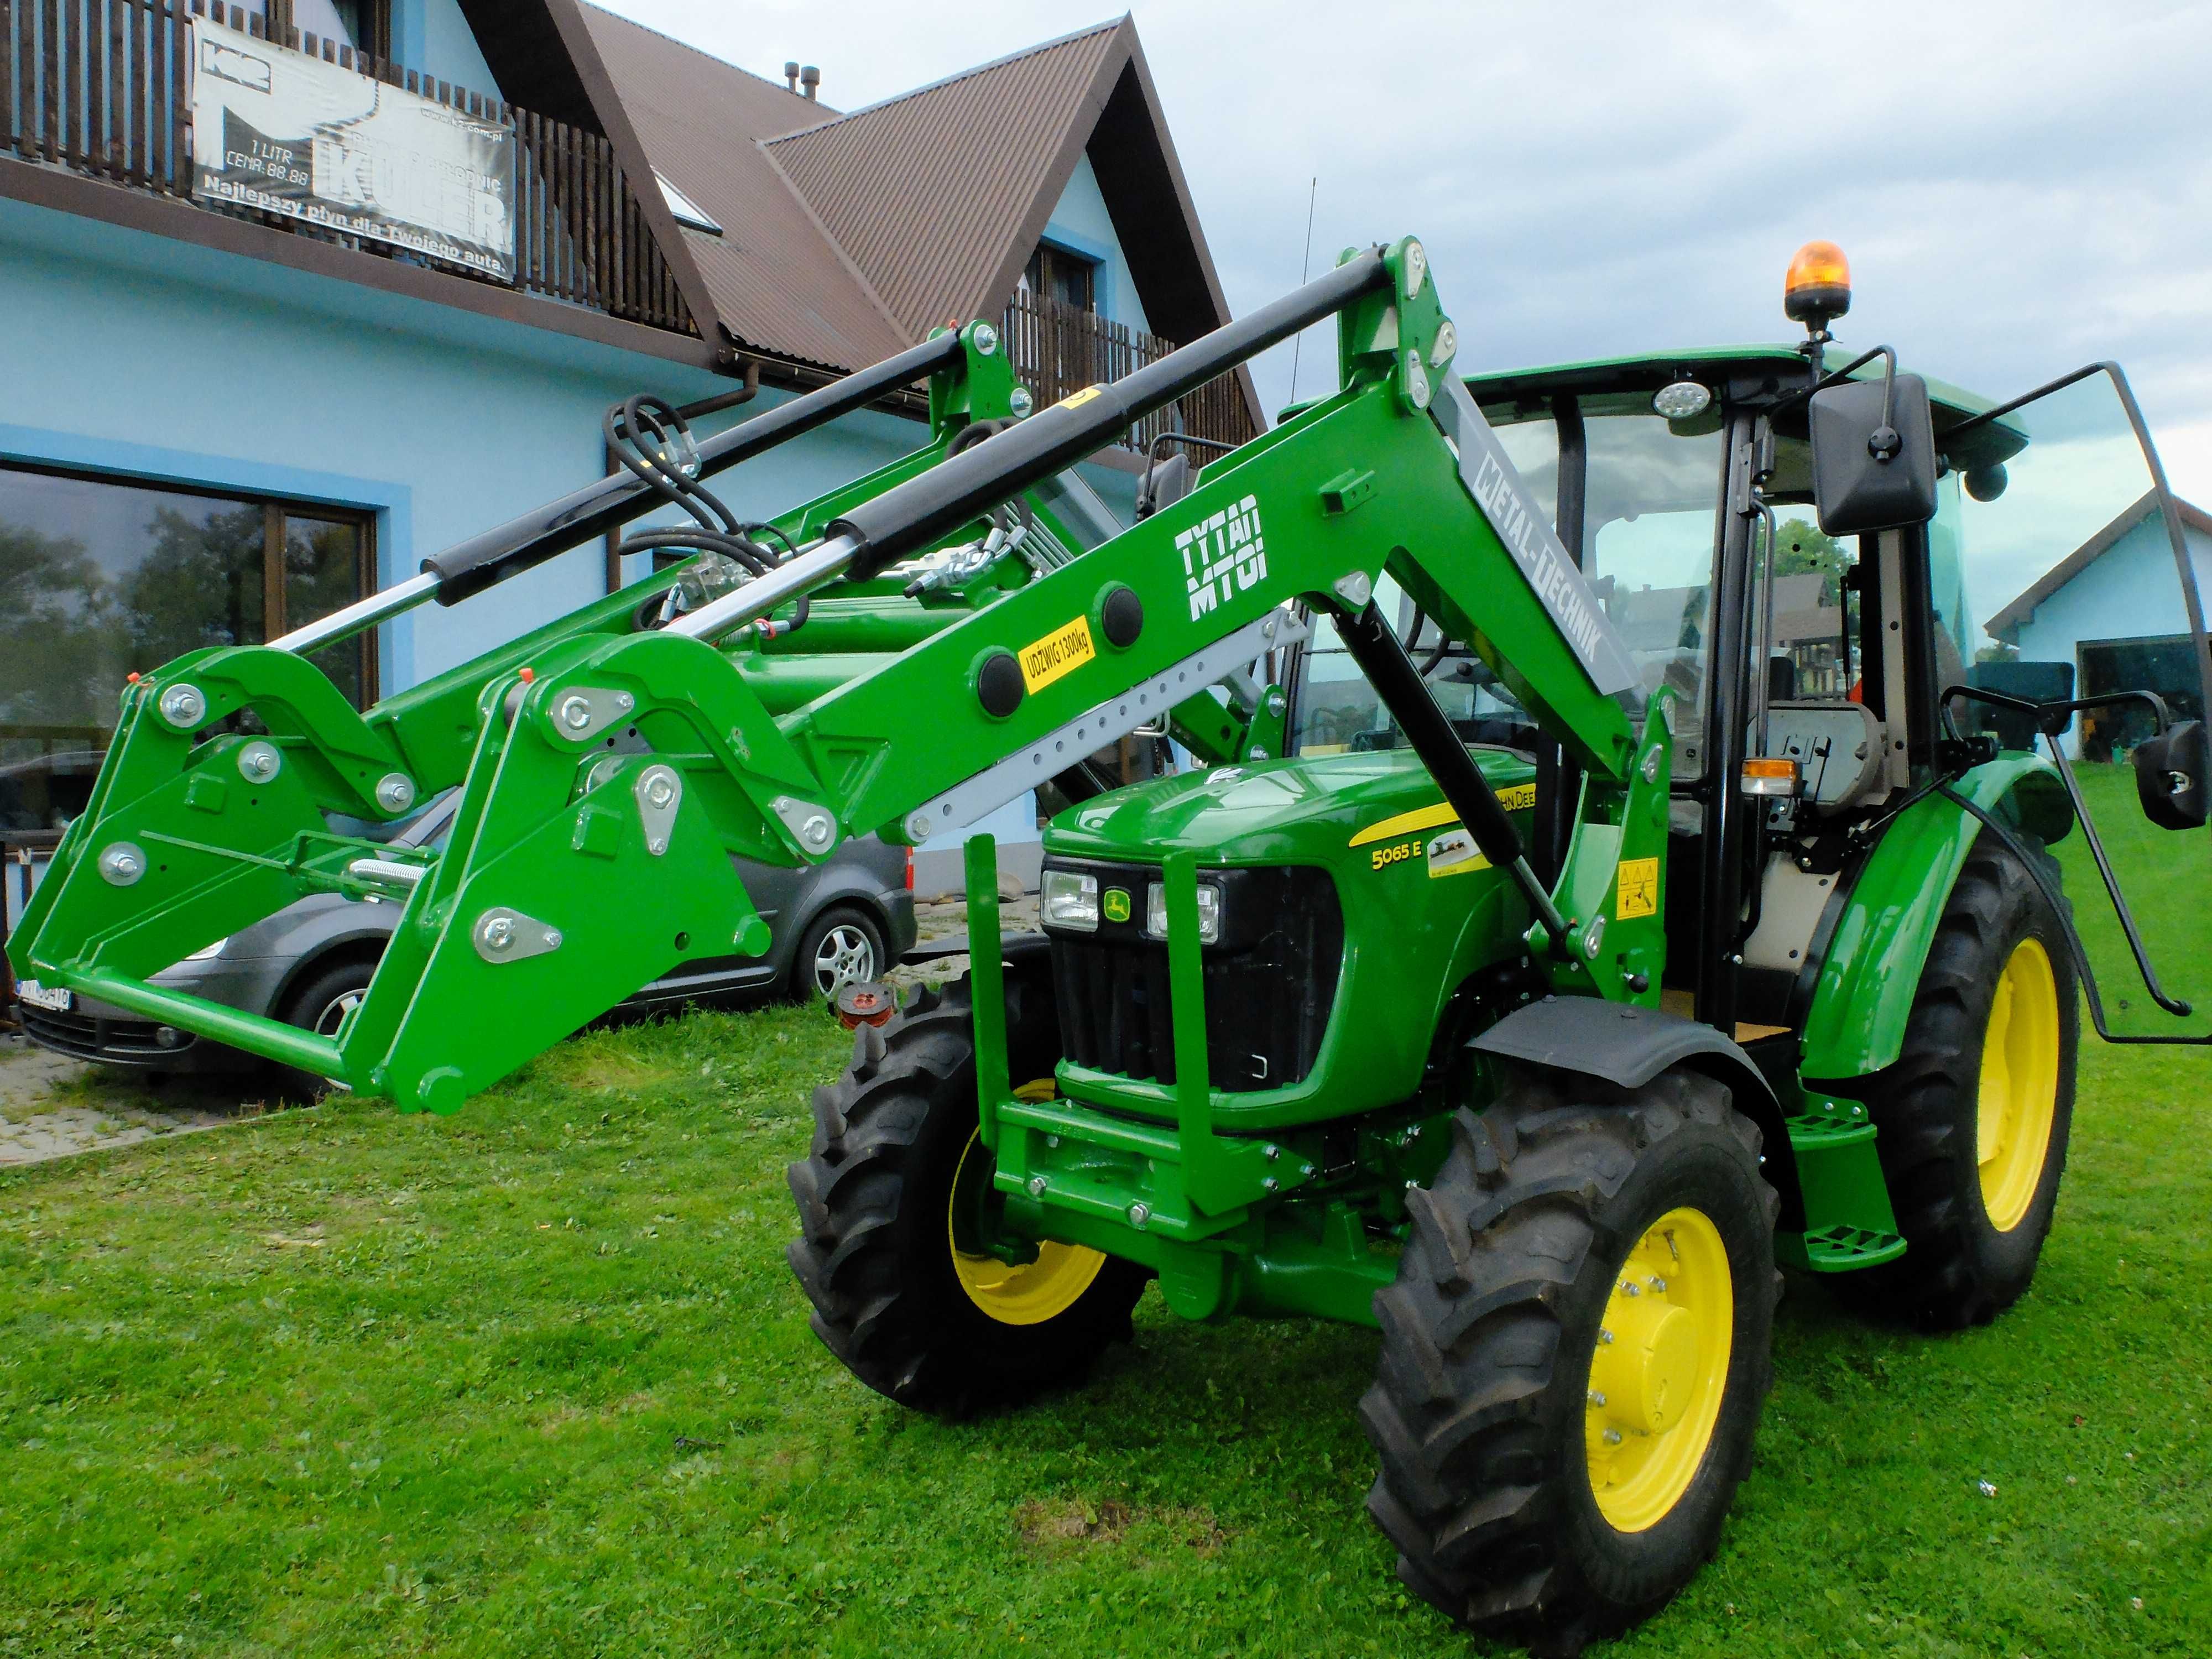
x: 1070, y: 900
x: 208, y: 951
x: 1209, y: 912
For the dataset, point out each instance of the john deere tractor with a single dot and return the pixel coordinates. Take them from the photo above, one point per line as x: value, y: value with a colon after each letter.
x: 1611, y: 860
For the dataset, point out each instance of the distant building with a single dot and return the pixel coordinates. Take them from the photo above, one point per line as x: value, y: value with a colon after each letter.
x: 2088, y: 613
x: 223, y: 420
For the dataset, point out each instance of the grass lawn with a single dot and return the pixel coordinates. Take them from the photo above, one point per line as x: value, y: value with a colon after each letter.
x: 534, y: 1379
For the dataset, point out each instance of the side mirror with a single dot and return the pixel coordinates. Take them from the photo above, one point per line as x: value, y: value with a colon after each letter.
x: 2169, y: 776
x: 1870, y: 473
x: 1165, y: 484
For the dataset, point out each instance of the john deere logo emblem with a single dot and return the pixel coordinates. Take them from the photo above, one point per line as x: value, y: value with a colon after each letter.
x: 1117, y: 904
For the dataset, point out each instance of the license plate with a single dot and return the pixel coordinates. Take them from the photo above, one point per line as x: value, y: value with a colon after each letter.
x: 56, y: 1001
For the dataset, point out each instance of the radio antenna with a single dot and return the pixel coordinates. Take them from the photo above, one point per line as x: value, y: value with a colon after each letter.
x: 1305, y: 271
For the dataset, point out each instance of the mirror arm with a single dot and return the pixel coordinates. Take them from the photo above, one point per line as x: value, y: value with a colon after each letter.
x: 2051, y: 720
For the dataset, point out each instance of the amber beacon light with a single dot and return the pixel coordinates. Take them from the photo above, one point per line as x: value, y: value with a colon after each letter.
x: 1818, y: 289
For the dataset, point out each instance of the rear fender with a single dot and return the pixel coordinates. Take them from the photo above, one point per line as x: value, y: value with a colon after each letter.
x: 1869, y: 968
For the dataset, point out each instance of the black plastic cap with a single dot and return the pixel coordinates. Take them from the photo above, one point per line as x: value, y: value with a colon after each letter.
x: 998, y: 685
x: 1121, y: 619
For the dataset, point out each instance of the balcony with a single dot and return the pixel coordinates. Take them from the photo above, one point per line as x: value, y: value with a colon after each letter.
x: 103, y: 87
x: 1058, y: 348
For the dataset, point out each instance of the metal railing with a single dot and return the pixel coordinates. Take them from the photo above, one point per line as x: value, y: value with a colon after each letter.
x: 1057, y: 348
x: 104, y: 88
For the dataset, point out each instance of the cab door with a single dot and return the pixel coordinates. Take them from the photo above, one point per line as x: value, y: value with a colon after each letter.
x: 2064, y: 578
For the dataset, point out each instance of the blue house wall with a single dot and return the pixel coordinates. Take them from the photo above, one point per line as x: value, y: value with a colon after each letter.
x: 2129, y: 591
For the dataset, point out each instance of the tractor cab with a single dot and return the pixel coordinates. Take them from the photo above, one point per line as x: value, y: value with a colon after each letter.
x: 2035, y: 596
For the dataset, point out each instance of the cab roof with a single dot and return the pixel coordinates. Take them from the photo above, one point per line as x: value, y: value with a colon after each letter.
x: 1734, y: 365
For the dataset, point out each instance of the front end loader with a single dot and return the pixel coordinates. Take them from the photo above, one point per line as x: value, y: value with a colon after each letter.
x: 1625, y: 883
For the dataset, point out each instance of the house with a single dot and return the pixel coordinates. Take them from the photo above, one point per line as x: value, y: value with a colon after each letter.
x: 254, y: 374
x: 2111, y: 613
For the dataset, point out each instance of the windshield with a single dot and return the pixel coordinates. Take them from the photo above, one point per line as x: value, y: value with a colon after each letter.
x: 1653, y: 492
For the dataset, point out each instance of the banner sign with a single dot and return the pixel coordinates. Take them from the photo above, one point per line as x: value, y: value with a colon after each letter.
x: 291, y: 135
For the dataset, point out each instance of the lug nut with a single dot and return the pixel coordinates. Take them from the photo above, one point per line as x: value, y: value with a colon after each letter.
x: 1597, y: 1397
x: 1612, y: 1437
x: 1658, y: 1286
x: 1604, y: 1337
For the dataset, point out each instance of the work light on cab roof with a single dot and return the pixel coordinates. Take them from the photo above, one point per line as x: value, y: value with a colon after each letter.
x: 1818, y: 289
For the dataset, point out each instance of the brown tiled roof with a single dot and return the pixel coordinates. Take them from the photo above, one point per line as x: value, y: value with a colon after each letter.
x: 847, y: 238
x: 777, y: 281
x: 932, y: 191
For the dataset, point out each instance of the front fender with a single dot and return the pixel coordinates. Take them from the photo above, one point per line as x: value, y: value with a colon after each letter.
x: 1871, y: 968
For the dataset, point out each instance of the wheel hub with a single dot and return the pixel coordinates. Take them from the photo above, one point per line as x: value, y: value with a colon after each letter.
x: 2019, y: 1090
x: 1659, y: 1370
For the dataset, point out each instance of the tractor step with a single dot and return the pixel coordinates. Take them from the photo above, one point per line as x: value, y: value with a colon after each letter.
x: 1849, y: 1223
x: 1841, y: 1249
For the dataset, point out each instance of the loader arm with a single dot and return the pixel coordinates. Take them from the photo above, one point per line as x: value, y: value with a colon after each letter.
x: 578, y: 870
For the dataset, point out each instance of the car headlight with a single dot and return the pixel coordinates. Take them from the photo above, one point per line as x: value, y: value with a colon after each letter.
x: 1209, y: 912
x: 1069, y: 899
x: 207, y: 951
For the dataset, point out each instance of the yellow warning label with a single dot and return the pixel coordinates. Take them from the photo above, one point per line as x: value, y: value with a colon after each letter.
x: 1063, y: 650
x: 1076, y: 399
x: 1637, y: 890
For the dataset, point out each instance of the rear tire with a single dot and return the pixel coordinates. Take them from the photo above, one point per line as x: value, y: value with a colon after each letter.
x: 1974, y: 1190
x: 1518, y: 1504
x: 911, y: 1316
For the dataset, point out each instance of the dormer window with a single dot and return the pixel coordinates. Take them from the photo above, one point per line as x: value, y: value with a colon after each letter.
x: 688, y: 214
x: 1056, y: 274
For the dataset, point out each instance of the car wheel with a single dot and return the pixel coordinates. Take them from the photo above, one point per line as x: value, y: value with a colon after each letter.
x: 842, y: 946
x: 320, y: 1004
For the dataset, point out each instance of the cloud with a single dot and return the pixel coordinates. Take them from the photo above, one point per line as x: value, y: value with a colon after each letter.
x: 2020, y: 188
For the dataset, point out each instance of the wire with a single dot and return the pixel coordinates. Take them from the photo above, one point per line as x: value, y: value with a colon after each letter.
x: 651, y: 438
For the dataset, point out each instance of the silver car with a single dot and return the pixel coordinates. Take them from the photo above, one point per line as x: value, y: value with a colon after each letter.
x: 849, y: 918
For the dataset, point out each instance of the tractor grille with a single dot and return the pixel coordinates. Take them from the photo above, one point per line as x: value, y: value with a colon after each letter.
x: 1270, y: 982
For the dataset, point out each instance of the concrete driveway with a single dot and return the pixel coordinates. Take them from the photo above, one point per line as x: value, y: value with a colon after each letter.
x: 52, y: 1106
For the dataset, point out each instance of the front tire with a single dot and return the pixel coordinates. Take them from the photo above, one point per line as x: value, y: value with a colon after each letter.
x: 842, y: 946
x: 320, y: 1004
x: 1972, y: 1120
x: 904, y: 1290
x: 1575, y: 1354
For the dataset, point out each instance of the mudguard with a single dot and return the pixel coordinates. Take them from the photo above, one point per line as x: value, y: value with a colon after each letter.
x: 1880, y: 940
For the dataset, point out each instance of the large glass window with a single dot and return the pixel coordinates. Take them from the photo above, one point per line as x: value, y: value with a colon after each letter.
x: 99, y: 578
x: 1651, y: 514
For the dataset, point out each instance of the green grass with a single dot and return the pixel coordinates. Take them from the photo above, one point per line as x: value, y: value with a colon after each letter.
x: 535, y: 1379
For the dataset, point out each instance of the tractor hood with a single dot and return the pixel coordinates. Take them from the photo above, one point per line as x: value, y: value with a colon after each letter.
x: 1303, y: 811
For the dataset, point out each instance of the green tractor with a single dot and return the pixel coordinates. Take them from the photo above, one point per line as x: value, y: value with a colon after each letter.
x: 1618, y: 866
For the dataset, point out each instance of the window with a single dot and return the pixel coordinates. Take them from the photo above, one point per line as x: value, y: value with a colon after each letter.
x: 1053, y: 273
x: 688, y: 213
x: 99, y: 578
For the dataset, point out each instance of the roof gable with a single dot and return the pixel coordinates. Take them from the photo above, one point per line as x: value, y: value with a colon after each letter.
x: 933, y: 193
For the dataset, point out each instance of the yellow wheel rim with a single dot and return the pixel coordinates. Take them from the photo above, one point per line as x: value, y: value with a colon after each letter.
x: 1660, y: 1369
x: 2020, y: 1085
x: 1034, y: 1291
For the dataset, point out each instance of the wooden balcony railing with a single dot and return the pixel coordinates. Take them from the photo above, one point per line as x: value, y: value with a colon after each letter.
x: 1057, y: 348
x: 104, y: 88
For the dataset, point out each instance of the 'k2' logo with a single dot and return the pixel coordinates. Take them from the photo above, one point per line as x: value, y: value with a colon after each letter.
x: 1223, y: 555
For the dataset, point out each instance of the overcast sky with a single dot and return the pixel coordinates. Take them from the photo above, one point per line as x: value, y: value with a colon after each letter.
x: 2020, y: 188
